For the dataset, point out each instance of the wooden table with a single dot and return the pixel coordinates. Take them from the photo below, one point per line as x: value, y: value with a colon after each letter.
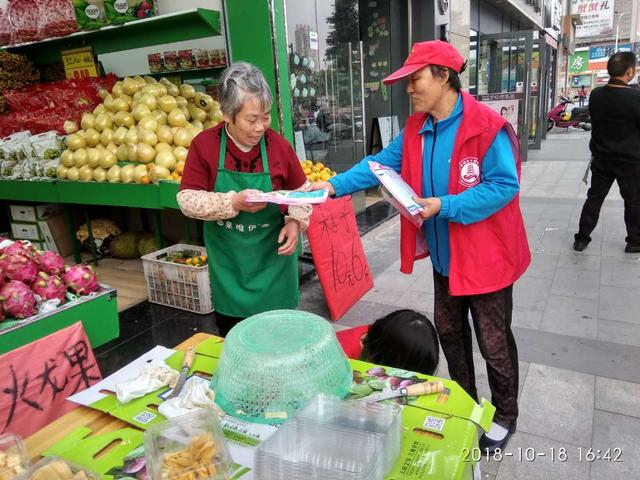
x: 98, y: 422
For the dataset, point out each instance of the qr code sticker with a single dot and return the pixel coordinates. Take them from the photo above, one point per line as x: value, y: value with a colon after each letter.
x: 144, y: 417
x: 434, y: 423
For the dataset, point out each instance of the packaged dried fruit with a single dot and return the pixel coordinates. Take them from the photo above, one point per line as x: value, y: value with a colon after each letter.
x: 54, y: 468
x: 190, y: 446
x: 90, y: 14
x: 13, y: 456
x: 122, y: 11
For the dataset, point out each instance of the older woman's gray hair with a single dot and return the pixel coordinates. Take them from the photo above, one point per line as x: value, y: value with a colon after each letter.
x: 240, y: 82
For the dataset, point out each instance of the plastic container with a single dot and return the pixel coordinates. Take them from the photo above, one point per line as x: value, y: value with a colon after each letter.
x: 377, y: 420
x: 55, y: 468
x: 176, y: 285
x: 274, y: 362
x: 190, y: 446
x: 333, y: 439
x: 13, y: 456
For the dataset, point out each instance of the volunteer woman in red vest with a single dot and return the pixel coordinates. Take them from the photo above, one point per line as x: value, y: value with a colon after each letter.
x: 251, y: 246
x: 463, y: 159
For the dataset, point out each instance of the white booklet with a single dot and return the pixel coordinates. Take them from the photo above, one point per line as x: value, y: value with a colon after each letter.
x: 397, y: 192
x: 289, y: 197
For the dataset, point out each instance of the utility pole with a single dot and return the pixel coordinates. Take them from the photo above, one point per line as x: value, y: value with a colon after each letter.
x: 620, y: 15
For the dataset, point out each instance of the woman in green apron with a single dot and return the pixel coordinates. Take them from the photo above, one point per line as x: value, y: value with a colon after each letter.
x: 252, y: 247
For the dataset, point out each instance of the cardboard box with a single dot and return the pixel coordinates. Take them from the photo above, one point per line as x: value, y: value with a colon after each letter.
x: 26, y: 231
x: 56, y: 235
x: 440, y: 431
x: 33, y: 213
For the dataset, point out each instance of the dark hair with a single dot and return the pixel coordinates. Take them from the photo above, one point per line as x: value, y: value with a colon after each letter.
x: 403, y: 339
x: 620, y: 62
x: 454, y: 77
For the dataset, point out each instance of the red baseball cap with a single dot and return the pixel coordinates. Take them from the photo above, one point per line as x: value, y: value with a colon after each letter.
x: 434, y: 52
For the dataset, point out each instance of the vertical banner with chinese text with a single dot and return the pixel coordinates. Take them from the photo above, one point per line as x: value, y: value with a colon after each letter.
x: 338, y: 255
x: 36, y: 379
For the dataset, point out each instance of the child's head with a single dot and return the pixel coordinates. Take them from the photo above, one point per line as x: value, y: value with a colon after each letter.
x: 403, y: 339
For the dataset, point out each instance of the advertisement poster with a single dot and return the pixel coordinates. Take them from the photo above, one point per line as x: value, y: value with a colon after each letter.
x: 508, y: 109
x: 597, y: 17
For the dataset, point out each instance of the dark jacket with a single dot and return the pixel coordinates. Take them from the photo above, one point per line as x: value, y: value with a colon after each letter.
x: 615, y: 118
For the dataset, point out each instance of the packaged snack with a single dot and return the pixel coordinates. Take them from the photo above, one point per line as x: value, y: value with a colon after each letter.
x: 170, y: 61
x: 13, y: 456
x: 188, y: 447
x: 155, y: 62
x: 185, y: 59
x: 202, y: 58
x: 122, y: 11
x: 54, y: 468
x: 90, y: 14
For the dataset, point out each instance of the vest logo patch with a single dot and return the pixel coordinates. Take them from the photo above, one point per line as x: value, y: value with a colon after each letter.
x: 469, y: 172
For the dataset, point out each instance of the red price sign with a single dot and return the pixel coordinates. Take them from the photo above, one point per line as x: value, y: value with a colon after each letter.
x: 338, y: 255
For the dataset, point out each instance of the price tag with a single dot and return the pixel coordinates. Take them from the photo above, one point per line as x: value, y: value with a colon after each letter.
x: 79, y: 63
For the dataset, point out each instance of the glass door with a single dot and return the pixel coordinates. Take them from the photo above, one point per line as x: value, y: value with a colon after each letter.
x: 325, y: 78
x: 507, y: 77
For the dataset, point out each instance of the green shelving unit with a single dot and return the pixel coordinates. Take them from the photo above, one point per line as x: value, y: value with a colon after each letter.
x: 187, y: 25
x: 41, y: 191
x: 111, y: 194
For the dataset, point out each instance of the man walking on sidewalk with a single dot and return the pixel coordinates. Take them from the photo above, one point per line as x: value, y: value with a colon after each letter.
x: 615, y: 151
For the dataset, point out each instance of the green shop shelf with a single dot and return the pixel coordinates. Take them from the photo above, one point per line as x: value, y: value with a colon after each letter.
x: 168, y: 191
x: 22, y: 190
x: 175, y: 27
x: 112, y: 194
x: 99, y: 316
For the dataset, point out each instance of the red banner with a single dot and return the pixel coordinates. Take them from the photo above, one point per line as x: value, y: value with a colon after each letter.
x: 36, y: 379
x: 338, y: 255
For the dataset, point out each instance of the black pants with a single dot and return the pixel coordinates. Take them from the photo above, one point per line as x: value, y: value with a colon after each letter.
x: 627, y: 175
x: 491, y: 314
x: 226, y: 323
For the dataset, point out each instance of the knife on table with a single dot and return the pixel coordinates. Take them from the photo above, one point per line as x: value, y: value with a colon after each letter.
x: 415, y: 390
x: 186, y: 366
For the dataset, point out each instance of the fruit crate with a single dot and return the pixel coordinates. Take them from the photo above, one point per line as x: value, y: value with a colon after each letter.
x: 176, y: 285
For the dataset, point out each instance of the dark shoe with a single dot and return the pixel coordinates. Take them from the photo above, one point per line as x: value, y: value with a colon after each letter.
x: 632, y: 248
x: 579, y: 244
x: 488, y: 445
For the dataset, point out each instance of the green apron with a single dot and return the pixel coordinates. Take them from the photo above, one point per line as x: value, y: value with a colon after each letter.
x: 247, y: 274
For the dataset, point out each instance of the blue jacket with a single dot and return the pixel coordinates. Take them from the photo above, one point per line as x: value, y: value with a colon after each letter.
x: 498, y: 186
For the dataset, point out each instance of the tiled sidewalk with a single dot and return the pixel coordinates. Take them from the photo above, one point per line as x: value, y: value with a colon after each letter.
x: 576, y: 321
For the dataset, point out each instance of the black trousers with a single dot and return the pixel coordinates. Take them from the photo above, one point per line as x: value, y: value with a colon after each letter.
x: 226, y: 323
x: 491, y: 314
x: 627, y: 174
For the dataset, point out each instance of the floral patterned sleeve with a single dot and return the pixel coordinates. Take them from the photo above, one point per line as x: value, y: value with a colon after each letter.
x: 203, y: 205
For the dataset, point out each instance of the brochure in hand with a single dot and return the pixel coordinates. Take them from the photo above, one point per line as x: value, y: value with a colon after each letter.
x: 398, y: 193
x: 289, y: 197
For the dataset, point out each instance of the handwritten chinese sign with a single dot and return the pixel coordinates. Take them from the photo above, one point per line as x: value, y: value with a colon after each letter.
x: 79, y: 63
x: 338, y: 255
x: 36, y: 379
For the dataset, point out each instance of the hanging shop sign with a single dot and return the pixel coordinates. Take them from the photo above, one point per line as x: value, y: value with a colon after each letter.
x: 338, y: 255
x: 596, y: 16
x: 36, y: 379
x: 79, y: 63
x: 579, y: 62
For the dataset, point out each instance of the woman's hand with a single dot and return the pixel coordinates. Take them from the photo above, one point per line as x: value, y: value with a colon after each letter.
x: 323, y: 186
x: 288, y: 235
x: 431, y: 206
x: 239, y: 202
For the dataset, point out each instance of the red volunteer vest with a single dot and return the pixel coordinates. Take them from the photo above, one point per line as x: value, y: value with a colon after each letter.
x: 485, y: 256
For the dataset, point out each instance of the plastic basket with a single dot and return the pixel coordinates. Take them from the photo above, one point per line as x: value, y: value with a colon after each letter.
x: 274, y: 362
x: 176, y: 285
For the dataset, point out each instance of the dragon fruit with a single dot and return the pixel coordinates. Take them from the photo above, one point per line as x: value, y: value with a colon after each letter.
x: 51, y: 263
x: 80, y: 279
x: 48, y: 287
x: 1, y: 278
x: 19, y: 268
x: 20, y: 247
x: 18, y: 301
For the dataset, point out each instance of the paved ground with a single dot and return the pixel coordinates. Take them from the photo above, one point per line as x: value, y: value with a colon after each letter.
x: 576, y: 320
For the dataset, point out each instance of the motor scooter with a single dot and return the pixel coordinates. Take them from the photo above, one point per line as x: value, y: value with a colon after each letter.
x: 560, y: 116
